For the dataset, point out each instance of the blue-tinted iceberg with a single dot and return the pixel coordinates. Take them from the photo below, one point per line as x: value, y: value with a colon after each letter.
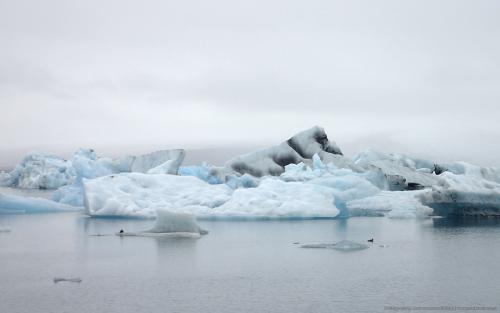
x: 305, y: 176
x: 18, y: 204
x: 141, y: 195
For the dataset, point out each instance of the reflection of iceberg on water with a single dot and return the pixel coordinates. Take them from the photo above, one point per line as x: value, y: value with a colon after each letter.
x: 170, y: 225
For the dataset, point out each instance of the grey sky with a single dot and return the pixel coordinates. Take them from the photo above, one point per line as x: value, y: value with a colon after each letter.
x: 420, y: 77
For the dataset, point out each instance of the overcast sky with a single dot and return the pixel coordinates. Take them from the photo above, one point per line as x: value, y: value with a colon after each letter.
x: 420, y: 77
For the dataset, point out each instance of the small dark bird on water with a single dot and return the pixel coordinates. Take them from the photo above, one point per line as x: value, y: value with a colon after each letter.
x: 121, y: 231
x: 370, y: 240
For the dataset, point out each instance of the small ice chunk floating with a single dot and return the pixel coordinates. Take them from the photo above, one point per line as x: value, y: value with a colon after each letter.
x: 170, y: 225
x: 344, y: 245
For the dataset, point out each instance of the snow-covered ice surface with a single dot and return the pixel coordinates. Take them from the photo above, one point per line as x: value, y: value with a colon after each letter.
x: 274, y: 198
x: 140, y: 195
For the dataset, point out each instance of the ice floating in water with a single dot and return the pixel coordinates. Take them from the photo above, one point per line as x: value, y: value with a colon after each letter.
x: 470, y: 195
x: 19, y: 204
x: 347, y: 245
x: 297, y: 149
x: 161, y: 235
x: 140, y: 195
x: 274, y: 198
x: 344, y: 245
x: 396, y: 204
x: 312, y: 179
x: 170, y: 222
x: 171, y: 225
x: 72, y: 280
x: 318, y: 245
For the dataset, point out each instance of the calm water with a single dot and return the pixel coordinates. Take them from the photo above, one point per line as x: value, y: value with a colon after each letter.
x: 250, y: 266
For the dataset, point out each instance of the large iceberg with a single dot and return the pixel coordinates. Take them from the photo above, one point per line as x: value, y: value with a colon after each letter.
x: 38, y: 171
x: 466, y: 195
x: 141, y: 195
x: 304, y: 177
x: 272, y: 161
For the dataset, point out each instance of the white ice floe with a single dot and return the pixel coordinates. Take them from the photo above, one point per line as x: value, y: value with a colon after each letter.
x: 344, y: 245
x: 19, y: 204
x: 171, y: 225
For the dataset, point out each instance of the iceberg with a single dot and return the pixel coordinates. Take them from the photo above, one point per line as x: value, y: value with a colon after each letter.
x: 18, y: 204
x: 204, y: 172
x: 87, y: 165
x: 141, y: 195
x: 38, y: 171
x: 465, y: 195
x: 158, y: 162
x: 274, y: 198
x: 403, y: 173
x: 272, y: 161
x: 171, y: 225
x: 463, y: 168
x: 344, y: 245
x: 306, y: 176
x: 394, y: 204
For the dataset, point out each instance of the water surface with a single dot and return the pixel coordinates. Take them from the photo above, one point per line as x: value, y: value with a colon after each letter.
x: 246, y: 266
